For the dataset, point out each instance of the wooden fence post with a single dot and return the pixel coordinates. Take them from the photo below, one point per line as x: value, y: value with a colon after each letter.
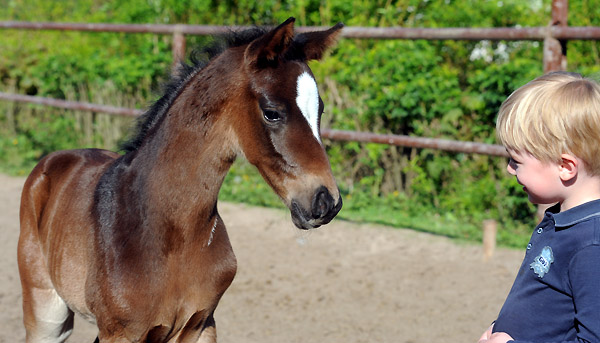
x: 178, y: 46
x: 489, y: 238
x: 555, y: 51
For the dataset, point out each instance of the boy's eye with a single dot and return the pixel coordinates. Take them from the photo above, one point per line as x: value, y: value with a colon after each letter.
x: 512, y: 163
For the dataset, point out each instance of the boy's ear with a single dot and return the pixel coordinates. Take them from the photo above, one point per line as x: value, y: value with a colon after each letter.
x: 569, y: 167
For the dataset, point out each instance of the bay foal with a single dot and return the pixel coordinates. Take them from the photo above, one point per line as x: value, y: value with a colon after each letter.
x: 134, y: 242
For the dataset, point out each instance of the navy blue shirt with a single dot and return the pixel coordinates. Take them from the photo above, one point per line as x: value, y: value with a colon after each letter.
x: 556, y: 294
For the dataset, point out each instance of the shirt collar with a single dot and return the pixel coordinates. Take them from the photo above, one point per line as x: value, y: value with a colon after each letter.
x: 574, y: 215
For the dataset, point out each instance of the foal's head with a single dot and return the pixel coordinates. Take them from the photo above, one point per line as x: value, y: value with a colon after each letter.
x: 277, y: 127
x: 257, y: 98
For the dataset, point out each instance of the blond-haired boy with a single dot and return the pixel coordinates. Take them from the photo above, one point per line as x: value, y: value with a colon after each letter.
x: 551, y: 130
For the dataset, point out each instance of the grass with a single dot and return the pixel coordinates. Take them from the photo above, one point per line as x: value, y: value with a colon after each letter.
x: 244, y: 184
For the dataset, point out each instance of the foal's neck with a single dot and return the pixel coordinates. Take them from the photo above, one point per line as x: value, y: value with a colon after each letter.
x: 191, y: 152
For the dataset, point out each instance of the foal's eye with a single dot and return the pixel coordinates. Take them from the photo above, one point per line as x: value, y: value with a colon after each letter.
x: 272, y: 116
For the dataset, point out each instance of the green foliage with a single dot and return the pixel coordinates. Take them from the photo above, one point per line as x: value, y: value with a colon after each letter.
x: 448, y: 89
x: 244, y: 184
x: 38, y: 135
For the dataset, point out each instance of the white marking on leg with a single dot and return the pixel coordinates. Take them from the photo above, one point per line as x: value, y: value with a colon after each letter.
x: 51, y: 316
x: 308, y: 101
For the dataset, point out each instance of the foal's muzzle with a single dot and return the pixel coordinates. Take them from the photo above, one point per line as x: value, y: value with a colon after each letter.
x: 323, y: 209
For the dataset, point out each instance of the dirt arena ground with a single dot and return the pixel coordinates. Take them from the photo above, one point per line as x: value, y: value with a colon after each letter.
x: 342, y: 283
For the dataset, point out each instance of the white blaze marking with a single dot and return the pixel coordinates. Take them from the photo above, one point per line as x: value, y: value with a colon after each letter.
x: 308, y: 101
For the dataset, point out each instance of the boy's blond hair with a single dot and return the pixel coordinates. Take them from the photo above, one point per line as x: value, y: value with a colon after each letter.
x: 556, y: 113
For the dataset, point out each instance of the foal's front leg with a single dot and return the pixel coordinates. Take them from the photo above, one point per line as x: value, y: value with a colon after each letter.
x: 209, y: 333
x: 112, y: 340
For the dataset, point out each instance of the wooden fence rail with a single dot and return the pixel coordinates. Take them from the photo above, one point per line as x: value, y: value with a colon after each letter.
x: 338, y: 135
x: 500, y: 33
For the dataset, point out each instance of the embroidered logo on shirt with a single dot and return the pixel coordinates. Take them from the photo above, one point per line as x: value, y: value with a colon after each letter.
x: 541, y: 264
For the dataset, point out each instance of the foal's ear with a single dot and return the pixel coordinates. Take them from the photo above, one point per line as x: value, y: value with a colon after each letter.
x: 314, y: 44
x: 267, y: 49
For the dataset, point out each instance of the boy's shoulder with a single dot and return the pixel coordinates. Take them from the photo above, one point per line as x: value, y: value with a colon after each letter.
x: 580, y: 226
x: 583, y: 214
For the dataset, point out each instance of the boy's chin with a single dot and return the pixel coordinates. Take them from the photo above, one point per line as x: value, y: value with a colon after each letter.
x: 541, y: 202
x: 535, y: 200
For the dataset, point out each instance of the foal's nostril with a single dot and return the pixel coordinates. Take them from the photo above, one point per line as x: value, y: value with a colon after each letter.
x: 322, y: 203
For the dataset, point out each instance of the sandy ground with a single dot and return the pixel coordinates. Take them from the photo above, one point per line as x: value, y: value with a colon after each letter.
x: 344, y: 282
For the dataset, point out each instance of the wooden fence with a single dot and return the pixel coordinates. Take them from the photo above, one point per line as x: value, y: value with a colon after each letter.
x: 554, y: 36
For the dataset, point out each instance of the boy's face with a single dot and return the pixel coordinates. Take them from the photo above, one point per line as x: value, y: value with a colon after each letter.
x: 540, y: 180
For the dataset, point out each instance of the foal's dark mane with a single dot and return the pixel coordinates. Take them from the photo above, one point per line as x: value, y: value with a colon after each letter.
x: 177, y: 81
